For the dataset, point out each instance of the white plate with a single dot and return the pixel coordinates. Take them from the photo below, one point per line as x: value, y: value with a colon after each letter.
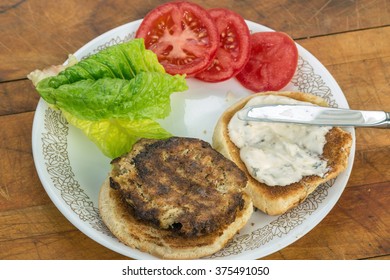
x: 72, y: 169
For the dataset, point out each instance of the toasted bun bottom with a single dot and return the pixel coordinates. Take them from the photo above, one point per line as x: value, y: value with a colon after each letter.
x: 277, y: 200
x: 159, y: 242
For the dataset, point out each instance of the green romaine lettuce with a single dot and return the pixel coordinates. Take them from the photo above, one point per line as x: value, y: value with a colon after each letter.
x: 114, y: 96
x: 116, y: 136
x: 147, y: 95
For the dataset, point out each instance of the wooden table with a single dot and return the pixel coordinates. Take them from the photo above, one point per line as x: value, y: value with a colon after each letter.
x: 351, y: 38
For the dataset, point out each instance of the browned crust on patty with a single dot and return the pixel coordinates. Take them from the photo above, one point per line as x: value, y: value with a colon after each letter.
x: 276, y: 200
x: 160, y: 242
x: 179, y: 184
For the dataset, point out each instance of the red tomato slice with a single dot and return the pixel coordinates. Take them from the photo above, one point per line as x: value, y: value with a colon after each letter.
x: 234, y: 46
x: 182, y: 34
x: 272, y: 62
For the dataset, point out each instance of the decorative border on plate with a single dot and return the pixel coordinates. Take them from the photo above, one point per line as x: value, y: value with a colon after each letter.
x: 278, y: 227
x: 306, y: 80
x: 54, y: 144
x: 113, y: 41
x: 55, y: 153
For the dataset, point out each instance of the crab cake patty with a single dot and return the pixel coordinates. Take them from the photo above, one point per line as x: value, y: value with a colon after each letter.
x: 179, y: 184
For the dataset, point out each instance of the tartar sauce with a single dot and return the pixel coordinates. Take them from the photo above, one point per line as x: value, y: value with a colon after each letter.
x: 279, y: 154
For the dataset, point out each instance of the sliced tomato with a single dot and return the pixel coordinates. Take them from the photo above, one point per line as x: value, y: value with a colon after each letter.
x: 182, y: 34
x: 234, y: 46
x: 272, y: 62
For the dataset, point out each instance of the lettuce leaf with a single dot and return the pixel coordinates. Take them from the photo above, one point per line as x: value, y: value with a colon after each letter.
x: 145, y: 96
x: 115, y: 137
x: 123, y: 61
x: 114, y: 96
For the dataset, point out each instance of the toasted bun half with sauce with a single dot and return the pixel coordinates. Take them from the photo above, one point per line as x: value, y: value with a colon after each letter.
x: 175, y: 199
x: 275, y: 200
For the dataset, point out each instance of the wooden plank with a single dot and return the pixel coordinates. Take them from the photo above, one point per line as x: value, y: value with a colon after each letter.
x: 385, y: 257
x: 357, y: 227
x: 17, y: 97
x: 19, y: 185
x: 38, y: 33
x: 349, y: 47
x: 31, y: 222
x: 42, y: 232
x: 305, y: 19
x: 363, y: 72
x: 365, y: 82
x: 370, y: 167
x: 72, y: 245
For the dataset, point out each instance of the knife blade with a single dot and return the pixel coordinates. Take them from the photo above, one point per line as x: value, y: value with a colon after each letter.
x: 315, y: 115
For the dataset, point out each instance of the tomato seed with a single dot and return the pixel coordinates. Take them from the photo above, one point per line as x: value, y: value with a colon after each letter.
x: 202, y: 34
x: 230, y: 39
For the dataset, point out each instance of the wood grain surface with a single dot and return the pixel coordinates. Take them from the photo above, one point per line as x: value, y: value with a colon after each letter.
x: 351, y: 38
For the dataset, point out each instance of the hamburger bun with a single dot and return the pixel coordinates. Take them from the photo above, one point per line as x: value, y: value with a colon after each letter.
x: 161, y: 197
x: 275, y: 200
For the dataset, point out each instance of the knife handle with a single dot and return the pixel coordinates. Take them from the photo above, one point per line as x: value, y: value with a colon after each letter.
x: 386, y: 122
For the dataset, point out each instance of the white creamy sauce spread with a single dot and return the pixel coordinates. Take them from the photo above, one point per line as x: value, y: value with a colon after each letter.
x: 279, y: 154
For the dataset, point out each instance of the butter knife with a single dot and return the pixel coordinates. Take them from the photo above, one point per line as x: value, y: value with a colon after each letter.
x: 315, y: 115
